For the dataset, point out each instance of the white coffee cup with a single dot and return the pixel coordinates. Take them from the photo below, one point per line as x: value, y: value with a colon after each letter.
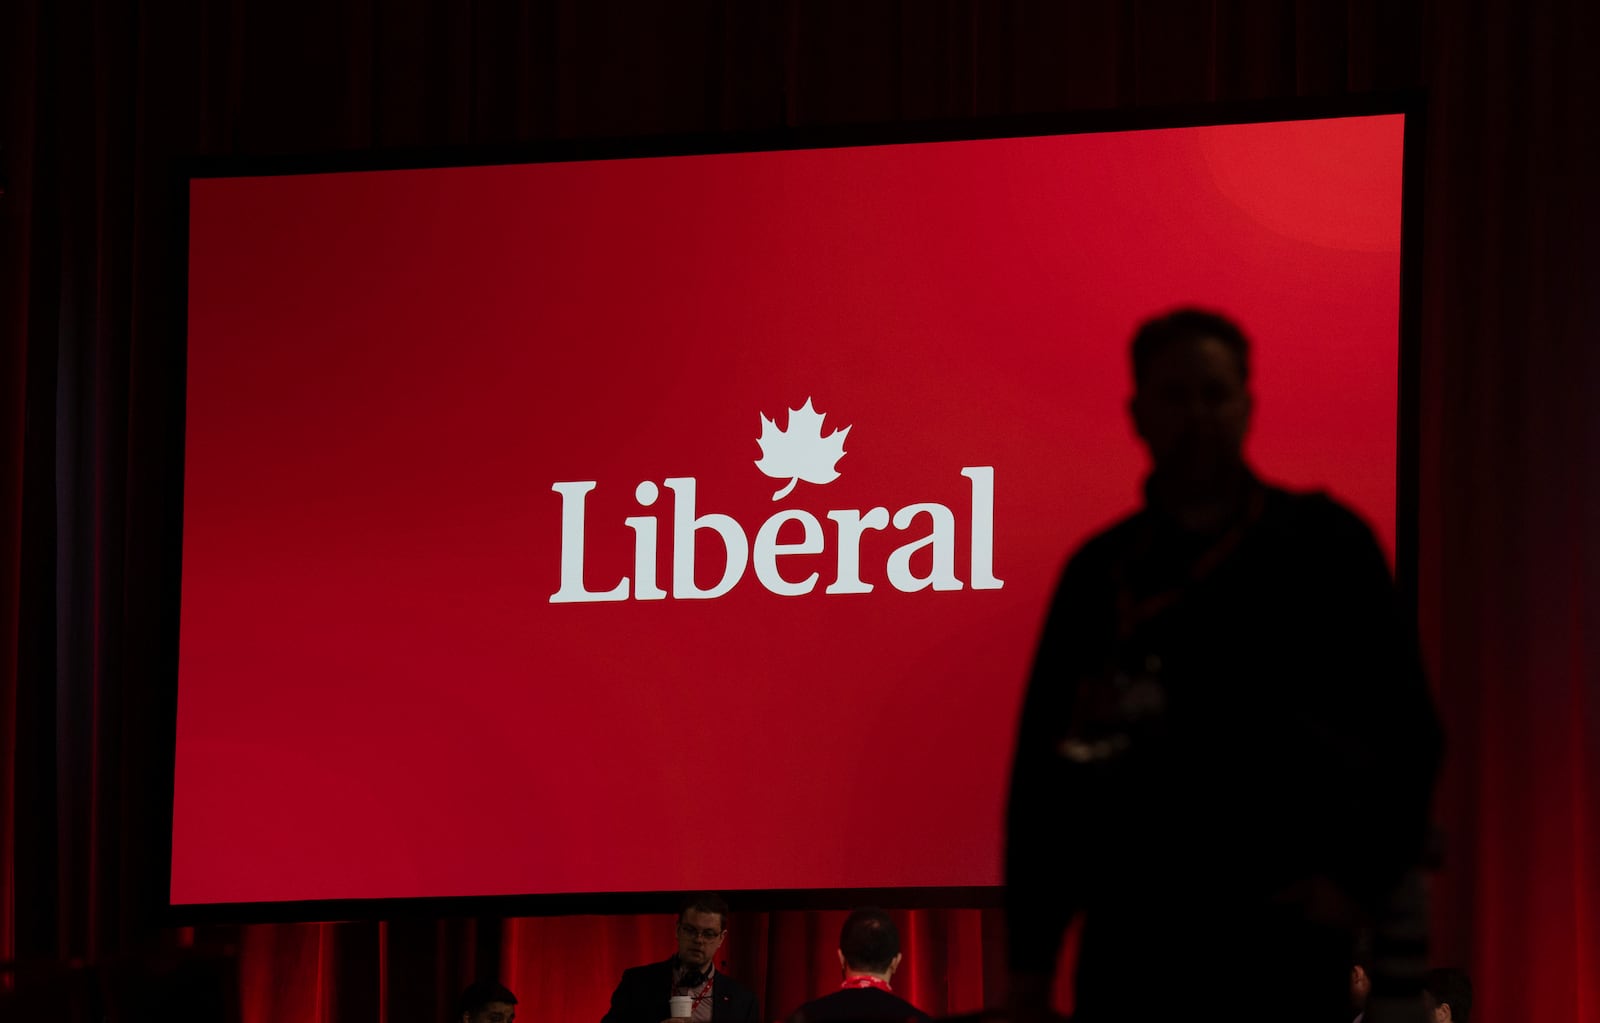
x: 680, y: 1007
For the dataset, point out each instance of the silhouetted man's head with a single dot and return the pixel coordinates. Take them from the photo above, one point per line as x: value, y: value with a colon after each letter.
x: 1448, y: 994
x: 869, y: 943
x: 488, y: 1001
x: 1191, y: 401
x: 702, y: 924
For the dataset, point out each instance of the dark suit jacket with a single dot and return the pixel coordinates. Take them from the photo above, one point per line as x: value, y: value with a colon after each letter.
x: 859, y: 1005
x: 1289, y: 701
x: 642, y: 993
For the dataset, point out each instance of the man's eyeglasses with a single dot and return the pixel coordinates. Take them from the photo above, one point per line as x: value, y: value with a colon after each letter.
x: 706, y: 934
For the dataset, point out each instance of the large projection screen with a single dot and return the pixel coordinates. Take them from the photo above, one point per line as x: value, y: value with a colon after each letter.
x: 661, y: 523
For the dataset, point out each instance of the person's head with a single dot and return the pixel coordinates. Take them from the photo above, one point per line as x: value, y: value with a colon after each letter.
x: 488, y: 1001
x: 1191, y: 403
x: 702, y: 924
x: 869, y: 943
x: 1448, y: 995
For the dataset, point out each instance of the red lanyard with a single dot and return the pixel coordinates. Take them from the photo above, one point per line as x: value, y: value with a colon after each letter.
x: 704, y: 992
x: 855, y: 982
x: 1133, y: 612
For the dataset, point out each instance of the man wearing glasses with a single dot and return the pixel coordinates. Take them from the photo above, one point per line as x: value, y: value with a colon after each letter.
x: 688, y: 986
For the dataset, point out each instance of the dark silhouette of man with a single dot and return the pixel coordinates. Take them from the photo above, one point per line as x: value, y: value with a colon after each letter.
x: 643, y: 994
x: 869, y: 953
x: 1227, y: 748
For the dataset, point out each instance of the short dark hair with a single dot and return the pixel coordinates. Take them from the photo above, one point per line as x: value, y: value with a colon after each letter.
x: 1449, y: 986
x: 477, y: 996
x: 1156, y: 335
x: 705, y: 902
x: 869, y: 940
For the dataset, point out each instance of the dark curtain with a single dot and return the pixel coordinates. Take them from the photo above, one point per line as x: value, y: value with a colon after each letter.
x: 1510, y: 464
x: 99, y: 97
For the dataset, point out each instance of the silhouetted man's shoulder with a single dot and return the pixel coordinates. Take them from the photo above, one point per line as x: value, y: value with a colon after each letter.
x: 1332, y: 540
x: 1100, y: 553
x: 863, y: 1005
x: 1310, y: 508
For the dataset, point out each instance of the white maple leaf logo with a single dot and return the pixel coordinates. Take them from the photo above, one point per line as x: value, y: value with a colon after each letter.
x: 801, y: 452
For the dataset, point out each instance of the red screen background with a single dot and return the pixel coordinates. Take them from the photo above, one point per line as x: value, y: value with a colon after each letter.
x: 388, y: 371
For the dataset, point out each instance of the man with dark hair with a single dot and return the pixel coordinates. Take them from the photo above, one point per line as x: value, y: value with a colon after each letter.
x: 869, y: 953
x: 487, y: 1001
x: 1448, y: 995
x: 644, y: 993
x: 1182, y: 326
x: 1224, y: 683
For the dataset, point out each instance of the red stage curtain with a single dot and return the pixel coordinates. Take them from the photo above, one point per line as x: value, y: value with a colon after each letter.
x: 1510, y: 466
x: 97, y: 97
x: 566, y: 967
x: 571, y: 964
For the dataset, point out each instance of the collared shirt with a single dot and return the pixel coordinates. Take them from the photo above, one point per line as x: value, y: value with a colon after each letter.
x: 700, y: 993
